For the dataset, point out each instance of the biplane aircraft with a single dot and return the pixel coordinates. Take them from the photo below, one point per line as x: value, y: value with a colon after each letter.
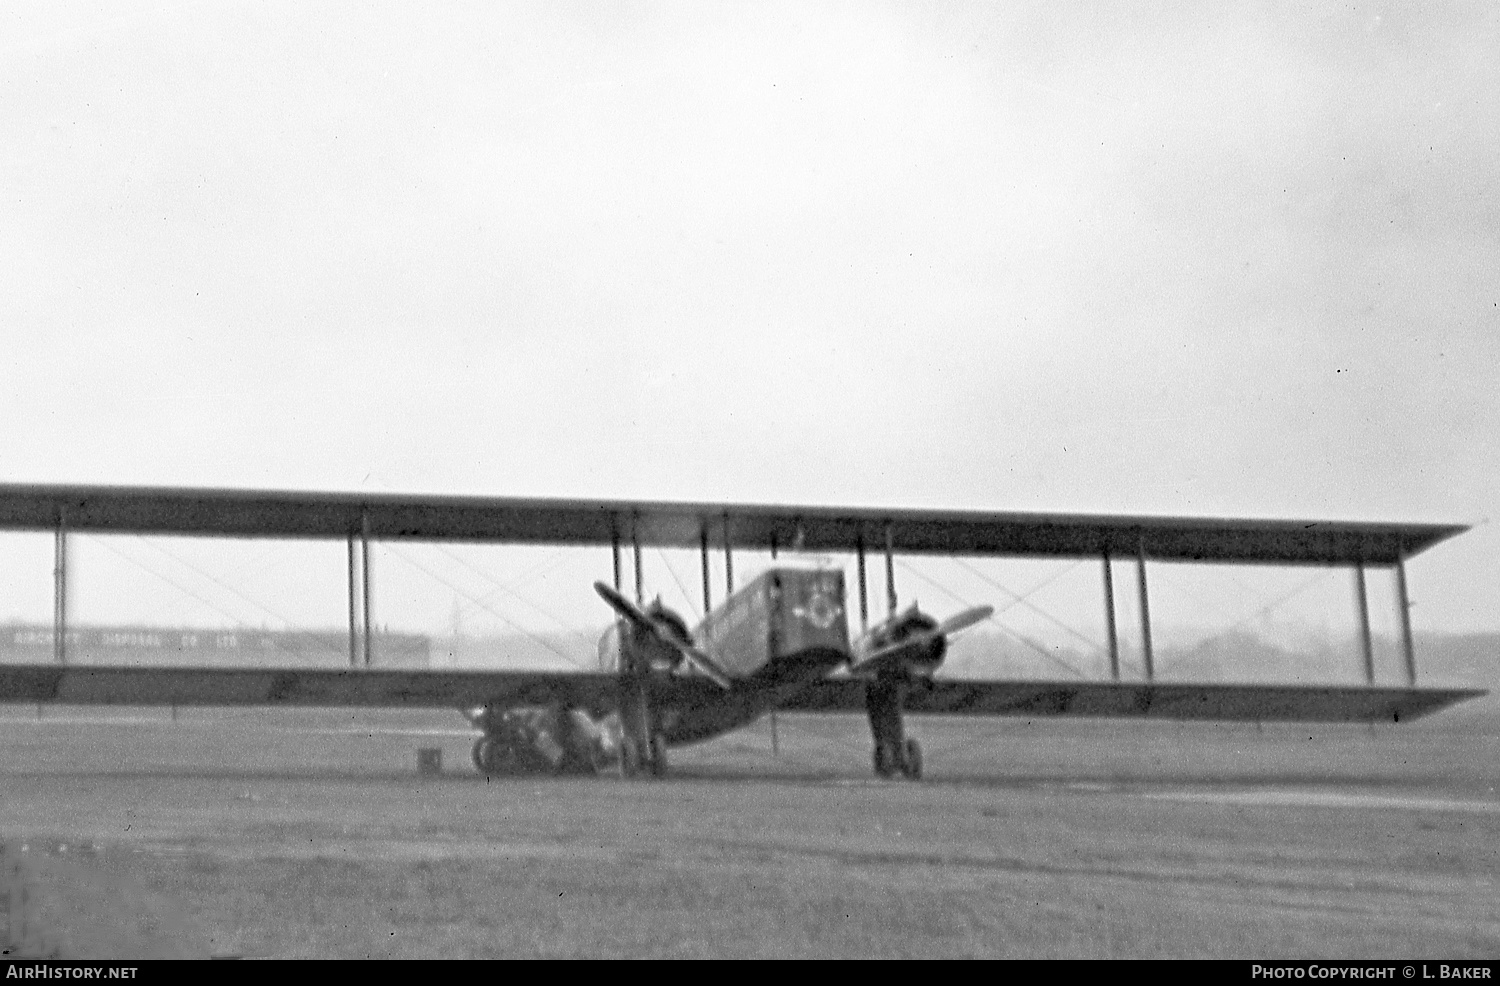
x: 780, y: 642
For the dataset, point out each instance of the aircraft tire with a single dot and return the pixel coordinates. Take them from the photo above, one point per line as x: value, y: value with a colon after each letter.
x: 884, y: 765
x: 482, y: 755
x: 911, y: 761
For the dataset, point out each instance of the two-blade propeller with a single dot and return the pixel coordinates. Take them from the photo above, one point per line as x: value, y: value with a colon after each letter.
x: 890, y: 652
x: 633, y: 615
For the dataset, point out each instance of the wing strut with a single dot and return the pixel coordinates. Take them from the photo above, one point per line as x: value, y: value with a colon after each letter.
x: 1140, y: 558
x: 708, y: 603
x: 1367, y: 647
x: 1109, y: 619
x: 775, y: 742
x: 1405, y: 610
x: 614, y: 547
x: 353, y: 614
x: 60, y: 589
x: 364, y: 571
x: 635, y: 543
x: 728, y: 561
x: 890, y: 570
x: 864, y: 605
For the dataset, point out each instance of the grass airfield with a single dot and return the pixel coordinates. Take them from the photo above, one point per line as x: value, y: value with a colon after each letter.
x: 308, y: 833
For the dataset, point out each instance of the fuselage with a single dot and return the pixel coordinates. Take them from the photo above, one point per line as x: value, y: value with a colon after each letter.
x: 783, y: 630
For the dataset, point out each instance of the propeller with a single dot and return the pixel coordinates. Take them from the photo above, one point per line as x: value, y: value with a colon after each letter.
x: 889, y: 654
x: 633, y: 615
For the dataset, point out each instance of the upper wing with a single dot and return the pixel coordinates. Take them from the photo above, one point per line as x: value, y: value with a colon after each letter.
x: 1247, y: 703
x: 106, y: 685
x: 338, y: 515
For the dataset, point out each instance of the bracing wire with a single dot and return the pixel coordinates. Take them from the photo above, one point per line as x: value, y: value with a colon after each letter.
x: 1262, y: 611
x: 500, y: 616
x: 1003, y: 628
x: 232, y: 591
x: 1021, y: 600
x: 499, y: 586
x: 692, y: 606
x: 185, y: 591
x: 535, y: 571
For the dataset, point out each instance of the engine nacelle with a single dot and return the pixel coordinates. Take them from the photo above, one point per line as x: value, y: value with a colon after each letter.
x: 925, y: 650
x: 623, y: 646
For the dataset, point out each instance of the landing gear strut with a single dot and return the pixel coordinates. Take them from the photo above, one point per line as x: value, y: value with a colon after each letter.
x: 658, y: 750
x: 903, y: 758
x: 895, y: 752
x: 650, y: 758
x: 643, y: 749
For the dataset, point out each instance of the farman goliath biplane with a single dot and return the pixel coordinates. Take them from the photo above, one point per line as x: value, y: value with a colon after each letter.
x: 780, y: 642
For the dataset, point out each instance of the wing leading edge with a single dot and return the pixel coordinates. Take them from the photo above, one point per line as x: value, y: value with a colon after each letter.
x: 273, y: 513
x: 106, y: 685
x: 1244, y: 703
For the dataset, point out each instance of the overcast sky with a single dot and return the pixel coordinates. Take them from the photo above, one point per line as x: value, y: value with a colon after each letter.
x: 1163, y: 258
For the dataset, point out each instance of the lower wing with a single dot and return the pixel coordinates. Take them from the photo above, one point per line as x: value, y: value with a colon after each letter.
x: 1245, y: 703
x: 115, y: 685
x: 599, y: 693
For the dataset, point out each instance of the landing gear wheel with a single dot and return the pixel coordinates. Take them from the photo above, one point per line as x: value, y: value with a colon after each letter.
x: 658, y: 756
x: 885, y: 760
x: 911, y: 762
x: 482, y: 754
x: 494, y: 757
